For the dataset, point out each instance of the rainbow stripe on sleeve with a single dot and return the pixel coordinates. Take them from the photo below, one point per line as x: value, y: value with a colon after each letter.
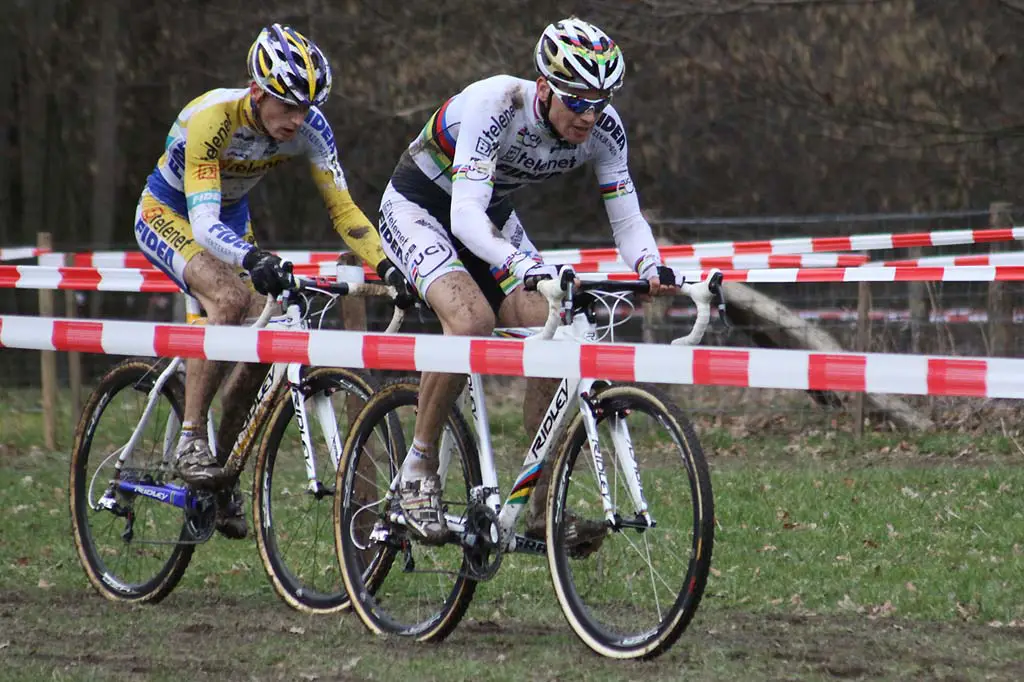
x: 613, y: 190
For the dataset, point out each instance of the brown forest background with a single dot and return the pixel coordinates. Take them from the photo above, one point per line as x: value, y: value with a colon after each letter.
x: 735, y: 107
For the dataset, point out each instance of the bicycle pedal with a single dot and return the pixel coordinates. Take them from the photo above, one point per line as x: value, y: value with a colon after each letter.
x: 109, y: 503
x: 380, y: 533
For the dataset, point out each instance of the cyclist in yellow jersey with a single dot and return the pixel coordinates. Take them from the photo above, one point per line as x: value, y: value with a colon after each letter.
x: 193, y: 223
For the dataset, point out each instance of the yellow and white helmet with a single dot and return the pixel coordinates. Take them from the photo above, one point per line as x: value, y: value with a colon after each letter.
x: 579, y: 55
x: 289, y: 66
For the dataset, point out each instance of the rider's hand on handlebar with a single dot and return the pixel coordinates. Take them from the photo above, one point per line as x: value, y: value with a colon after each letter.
x: 405, y: 296
x: 537, y: 273
x: 389, y: 273
x: 662, y: 281
x: 270, y: 275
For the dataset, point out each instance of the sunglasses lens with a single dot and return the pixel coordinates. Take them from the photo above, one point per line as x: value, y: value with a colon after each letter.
x: 579, y: 105
x: 575, y: 104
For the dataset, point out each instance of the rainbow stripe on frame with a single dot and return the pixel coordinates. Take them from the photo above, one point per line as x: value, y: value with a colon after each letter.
x: 525, y: 484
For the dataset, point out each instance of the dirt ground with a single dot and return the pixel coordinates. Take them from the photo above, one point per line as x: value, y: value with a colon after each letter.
x: 77, y: 635
x: 202, y: 633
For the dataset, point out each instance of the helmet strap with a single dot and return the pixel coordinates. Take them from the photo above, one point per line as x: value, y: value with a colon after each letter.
x: 256, y: 114
x: 545, y: 110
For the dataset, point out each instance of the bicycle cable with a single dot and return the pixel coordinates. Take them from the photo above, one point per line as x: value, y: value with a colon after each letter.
x: 619, y: 297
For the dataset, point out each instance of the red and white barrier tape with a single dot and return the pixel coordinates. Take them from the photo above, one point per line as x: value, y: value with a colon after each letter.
x: 145, y: 280
x: 1012, y: 258
x: 760, y: 368
x: 135, y: 259
x: 798, y: 245
x: 967, y: 273
x: 131, y: 279
x: 21, y: 253
x: 754, y: 261
x: 781, y: 246
x: 85, y: 279
x: 949, y: 316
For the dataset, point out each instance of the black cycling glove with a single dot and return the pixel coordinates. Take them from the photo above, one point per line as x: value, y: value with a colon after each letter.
x: 406, y: 296
x: 269, y: 274
x: 666, y: 277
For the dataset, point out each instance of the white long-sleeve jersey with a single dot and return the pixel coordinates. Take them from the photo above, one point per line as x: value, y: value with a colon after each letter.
x: 491, y: 139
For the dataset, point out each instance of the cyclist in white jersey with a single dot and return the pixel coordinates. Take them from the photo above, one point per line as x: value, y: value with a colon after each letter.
x: 448, y: 223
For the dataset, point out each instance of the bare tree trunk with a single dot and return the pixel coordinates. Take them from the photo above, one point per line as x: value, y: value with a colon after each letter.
x: 1000, y: 307
x: 917, y: 299
x: 8, y: 55
x: 774, y: 325
x: 9, y: 48
x: 32, y: 131
x: 105, y: 119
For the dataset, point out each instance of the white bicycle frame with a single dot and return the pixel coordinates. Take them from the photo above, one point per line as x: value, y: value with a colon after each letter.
x: 322, y: 406
x: 553, y: 425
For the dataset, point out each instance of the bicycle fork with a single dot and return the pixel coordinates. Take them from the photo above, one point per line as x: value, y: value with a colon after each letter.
x: 323, y: 410
x: 626, y: 458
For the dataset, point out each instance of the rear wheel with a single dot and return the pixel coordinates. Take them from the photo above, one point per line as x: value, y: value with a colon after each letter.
x: 294, y: 520
x: 632, y: 593
x: 130, y: 546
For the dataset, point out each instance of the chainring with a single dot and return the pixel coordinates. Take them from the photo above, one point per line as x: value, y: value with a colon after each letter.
x: 483, y: 544
x: 200, y: 515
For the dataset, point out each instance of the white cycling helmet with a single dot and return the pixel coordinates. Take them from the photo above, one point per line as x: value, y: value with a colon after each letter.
x: 289, y: 66
x: 575, y: 54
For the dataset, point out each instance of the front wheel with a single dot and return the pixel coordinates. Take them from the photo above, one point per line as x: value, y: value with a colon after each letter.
x: 633, y: 592
x: 293, y: 515
x: 133, y: 548
x: 397, y: 584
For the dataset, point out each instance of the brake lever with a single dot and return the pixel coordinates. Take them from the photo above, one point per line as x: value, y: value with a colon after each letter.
x: 568, y: 277
x: 718, y: 298
x: 405, y: 299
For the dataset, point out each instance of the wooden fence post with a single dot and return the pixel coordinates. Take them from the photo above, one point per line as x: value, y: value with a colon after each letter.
x: 353, y: 308
x: 918, y: 303
x: 353, y: 318
x: 1000, y: 304
x: 863, y: 344
x: 48, y: 361
x: 74, y: 359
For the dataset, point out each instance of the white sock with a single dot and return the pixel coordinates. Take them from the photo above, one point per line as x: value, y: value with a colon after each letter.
x: 191, y: 431
x: 420, y: 462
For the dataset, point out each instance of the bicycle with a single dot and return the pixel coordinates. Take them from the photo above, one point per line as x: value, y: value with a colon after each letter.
x: 136, y: 528
x: 398, y: 585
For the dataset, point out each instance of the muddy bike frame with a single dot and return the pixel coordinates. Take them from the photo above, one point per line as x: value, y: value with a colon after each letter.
x: 295, y: 318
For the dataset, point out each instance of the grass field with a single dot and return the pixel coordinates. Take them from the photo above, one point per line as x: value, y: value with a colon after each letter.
x: 891, y: 558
